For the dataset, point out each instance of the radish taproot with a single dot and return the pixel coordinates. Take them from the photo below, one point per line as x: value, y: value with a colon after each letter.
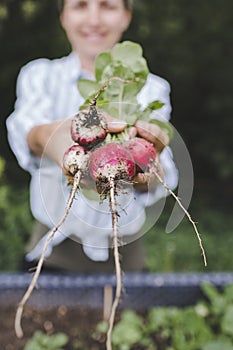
x: 144, y: 156
x: 107, y: 166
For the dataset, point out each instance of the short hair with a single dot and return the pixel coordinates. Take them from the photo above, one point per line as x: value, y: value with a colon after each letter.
x: 128, y: 4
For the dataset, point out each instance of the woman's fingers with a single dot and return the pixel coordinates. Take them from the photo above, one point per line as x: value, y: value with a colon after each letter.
x: 153, y: 133
x: 114, y: 125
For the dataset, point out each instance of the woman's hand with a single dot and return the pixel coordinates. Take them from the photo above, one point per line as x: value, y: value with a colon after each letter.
x: 53, y: 139
x: 152, y: 133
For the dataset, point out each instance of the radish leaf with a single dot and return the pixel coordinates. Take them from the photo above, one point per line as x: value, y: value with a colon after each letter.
x: 102, y: 61
x: 122, y: 72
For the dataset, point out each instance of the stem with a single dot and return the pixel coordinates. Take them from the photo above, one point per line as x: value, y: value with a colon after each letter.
x: 19, y: 312
x: 117, y: 263
x: 154, y: 171
x: 105, y: 85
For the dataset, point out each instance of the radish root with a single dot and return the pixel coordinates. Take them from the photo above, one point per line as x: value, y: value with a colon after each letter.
x: 114, y: 213
x: 154, y: 171
x: 19, y: 312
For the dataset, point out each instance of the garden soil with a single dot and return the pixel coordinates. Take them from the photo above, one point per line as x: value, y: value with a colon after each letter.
x: 78, y: 324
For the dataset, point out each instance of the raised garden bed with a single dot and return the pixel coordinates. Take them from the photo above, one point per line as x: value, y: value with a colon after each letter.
x: 74, y: 303
x: 141, y: 290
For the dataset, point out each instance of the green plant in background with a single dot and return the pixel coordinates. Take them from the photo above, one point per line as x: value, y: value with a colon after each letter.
x: 206, y: 326
x: 43, y: 341
x: 16, y: 222
x: 171, y: 253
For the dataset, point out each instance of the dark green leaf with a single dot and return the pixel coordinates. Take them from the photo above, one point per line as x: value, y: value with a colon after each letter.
x: 154, y: 105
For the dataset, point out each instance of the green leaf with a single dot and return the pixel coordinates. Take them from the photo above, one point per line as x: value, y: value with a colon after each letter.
x: 227, y: 321
x: 43, y: 341
x: 218, y: 302
x: 101, y: 103
x: 129, y: 330
x: 129, y: 93
x: 228, y: 292
x: 131, y: 317
x: 117, y: 70
x: 210, y: 291
x: 154, y: 105
x: 102, y: 327
x: 102, y: 60
x: 58, y: 340
x: 130, y: 54
x: 217, y: 345
x: 126, y: 51
x: 88, y: 88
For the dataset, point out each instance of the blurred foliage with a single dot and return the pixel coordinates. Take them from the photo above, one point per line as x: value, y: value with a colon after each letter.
x: 189, y: 44
x: 16, y: 223
x: 43, y: 341
x: 208, y: 325
x: 180, y: 250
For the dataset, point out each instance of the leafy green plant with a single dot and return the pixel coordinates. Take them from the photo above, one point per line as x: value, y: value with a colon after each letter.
x: 206, y: 326
x: 43, y: 341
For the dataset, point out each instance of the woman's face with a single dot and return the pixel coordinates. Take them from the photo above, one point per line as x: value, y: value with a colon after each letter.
x: 93, y: 26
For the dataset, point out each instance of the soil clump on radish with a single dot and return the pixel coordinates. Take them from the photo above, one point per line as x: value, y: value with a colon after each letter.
x: 88, y: 127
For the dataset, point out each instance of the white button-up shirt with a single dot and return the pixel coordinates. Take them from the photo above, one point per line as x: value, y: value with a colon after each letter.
x: 47, y: 91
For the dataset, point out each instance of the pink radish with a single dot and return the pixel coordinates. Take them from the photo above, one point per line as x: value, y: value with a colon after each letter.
x: 142, y: 151
x: 111, y: 161
x: 88, y: 127
x: 75, y: 159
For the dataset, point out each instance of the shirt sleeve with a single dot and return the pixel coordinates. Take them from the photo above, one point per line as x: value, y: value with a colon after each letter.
x: 32, y: 107
x: 159, y: 89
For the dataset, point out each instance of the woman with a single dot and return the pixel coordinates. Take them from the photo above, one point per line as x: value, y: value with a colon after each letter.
x: 39, y: 134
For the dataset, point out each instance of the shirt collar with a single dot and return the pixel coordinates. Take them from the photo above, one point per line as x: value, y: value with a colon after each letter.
x: 73, y: 68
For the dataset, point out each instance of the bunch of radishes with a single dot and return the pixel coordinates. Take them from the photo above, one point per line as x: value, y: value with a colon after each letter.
x: 107, y: 163
x: 92, y: 155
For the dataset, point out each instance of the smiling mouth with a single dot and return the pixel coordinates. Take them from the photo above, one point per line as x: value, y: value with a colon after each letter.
x: 94, y: 36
